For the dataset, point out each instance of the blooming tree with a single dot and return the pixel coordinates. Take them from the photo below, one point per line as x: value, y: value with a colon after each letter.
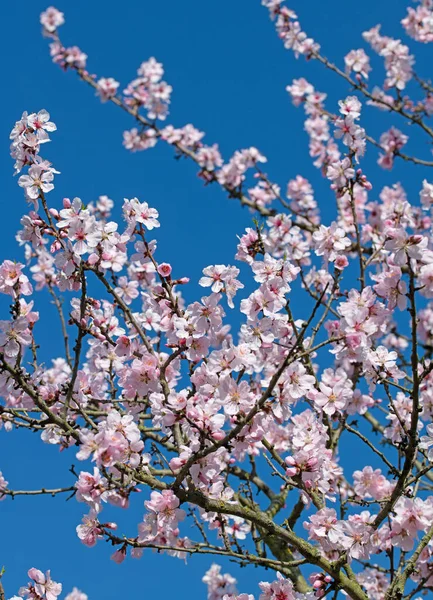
x: 237, y: 433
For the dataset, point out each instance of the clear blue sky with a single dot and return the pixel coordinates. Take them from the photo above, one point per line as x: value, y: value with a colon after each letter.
x: 229, y: 72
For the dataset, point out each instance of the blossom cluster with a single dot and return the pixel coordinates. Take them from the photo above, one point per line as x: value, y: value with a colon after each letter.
x: 238, y: 430
x: 42, y: 587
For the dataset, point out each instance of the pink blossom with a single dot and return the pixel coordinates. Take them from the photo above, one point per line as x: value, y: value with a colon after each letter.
x: 219, y: 584
x: 90, y: 530
x: 419, y: 22
x: 222, y: 278
x: 149, y: 90
x: 51, y: 19
x: 14, y: 336
x: 331, y: 399
x: 340, y: 172
x: 107, y: 88
x: 330, y: 241
x: 37, y: 181
x: 3, y: 486
x: 358, y: 62
x: 139, y: 212
x: 280, y: 589
x: 44, y: 585
x: 370, y: 483
x: 164, y: 269
x: 76, y: 594
x: 41, y: 124
x: 134, y: 140
x: 356, y: 539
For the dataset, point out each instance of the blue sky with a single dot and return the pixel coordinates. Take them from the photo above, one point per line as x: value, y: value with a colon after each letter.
x: 229, y: 72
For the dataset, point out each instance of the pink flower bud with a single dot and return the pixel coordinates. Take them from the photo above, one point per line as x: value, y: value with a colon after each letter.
x: 176, y: 463
x: 341, y: 262
x: 93, y: 259
x: 36, y: 575
x: 119, y: 556
x: 164, y: 269
x: 415, y: 239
